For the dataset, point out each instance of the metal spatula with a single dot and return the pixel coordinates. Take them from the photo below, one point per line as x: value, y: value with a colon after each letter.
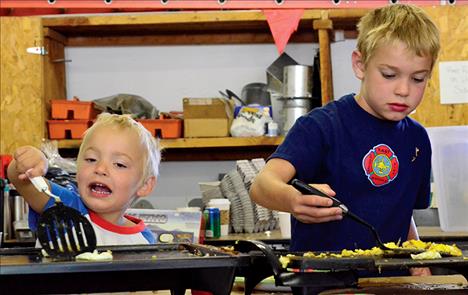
x: 62, y: 230
x: 310, y: 190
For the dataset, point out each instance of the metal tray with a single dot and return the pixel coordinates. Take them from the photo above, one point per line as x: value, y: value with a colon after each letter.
x: 176, y: 267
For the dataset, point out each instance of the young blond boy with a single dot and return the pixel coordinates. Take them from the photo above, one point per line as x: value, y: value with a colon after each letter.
x: 363, y: 149
x: 117, y: 163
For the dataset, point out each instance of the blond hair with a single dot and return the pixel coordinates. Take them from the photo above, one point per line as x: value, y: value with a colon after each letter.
x: 152, y: 150
x: 405, y: 23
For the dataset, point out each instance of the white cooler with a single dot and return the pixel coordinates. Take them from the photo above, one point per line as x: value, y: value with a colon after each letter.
x: 450, y: 170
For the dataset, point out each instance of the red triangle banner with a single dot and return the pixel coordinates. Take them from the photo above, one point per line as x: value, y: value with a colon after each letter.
x: 283, y: 22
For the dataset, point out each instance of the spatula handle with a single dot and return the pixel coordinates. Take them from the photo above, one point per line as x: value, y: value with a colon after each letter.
x: 41, y: 185
x: 310, y: 190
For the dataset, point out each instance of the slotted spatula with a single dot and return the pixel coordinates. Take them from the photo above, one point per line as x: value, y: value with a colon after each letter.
x: 305, y: 188
x: 62, y: 231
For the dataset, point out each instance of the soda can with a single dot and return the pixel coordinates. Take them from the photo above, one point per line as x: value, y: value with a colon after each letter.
x: 208, y: 227
x: 213, y: 224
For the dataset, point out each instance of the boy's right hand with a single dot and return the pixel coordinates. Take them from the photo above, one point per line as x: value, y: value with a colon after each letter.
x: 31, y: 160
x: 313, y: 208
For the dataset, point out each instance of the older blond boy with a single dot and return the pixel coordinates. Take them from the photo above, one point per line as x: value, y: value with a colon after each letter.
x: 363, y: 148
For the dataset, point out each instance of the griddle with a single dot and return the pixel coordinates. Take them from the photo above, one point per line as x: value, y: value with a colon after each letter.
x: 178, y: 267
x: 174, y: 267
x: 309, y: 275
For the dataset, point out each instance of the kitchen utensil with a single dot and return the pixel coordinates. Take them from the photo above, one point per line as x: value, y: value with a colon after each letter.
x: 310, y: 190
x: 274, y: 72
x: 233, y: 95
x: 256, y: 93
x: 293, y: 108
x: 62, y: 230
x: 224, y: 94
x: 297, y: 81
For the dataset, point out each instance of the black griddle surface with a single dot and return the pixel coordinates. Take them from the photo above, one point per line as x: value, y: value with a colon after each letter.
x: 373, y: 263
x: 174, y: 267
x: 167, y: 256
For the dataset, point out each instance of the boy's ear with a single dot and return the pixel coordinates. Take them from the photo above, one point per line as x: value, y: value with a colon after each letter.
x: 358, y: 64
x: 147, y: 187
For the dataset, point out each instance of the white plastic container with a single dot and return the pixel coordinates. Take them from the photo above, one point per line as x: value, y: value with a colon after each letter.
x: 285, y: 224
x: 450, y: 170
x: 223, y: 205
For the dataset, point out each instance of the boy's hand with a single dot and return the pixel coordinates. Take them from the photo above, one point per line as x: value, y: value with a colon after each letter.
x: 420, y: 271
x: 315, y: 209
x: 31, y: 160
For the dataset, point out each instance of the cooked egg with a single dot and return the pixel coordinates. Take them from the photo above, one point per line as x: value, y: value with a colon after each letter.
x: 95, y: 256
x: 430, y: 254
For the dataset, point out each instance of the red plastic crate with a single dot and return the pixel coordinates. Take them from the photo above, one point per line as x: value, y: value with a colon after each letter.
x: 4, y: 162
x: 67, y: 129
x: 73, y: 110
x: 163, y: 128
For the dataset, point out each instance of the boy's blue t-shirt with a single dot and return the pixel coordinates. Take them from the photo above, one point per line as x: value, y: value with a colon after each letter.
x: 379, y: 169
x: 106, y: 233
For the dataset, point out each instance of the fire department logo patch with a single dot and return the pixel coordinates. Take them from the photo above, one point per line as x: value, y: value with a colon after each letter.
x: 380, y: 165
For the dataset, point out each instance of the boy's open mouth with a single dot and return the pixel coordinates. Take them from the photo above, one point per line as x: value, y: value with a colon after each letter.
x: 100, y: 189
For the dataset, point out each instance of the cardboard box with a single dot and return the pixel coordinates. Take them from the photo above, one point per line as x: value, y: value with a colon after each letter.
x: 171, y: 226
x: 207, y: 117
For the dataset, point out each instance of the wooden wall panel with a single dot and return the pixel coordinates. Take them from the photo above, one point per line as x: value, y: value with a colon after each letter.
x: 453, y: 25
x: 21, y: 106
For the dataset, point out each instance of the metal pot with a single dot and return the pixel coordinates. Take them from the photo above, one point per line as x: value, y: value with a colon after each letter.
x: 256, y: 93
x: 297, y: 81
x: 293, y: 108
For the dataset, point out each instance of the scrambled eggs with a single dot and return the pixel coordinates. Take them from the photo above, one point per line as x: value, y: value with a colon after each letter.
x: 431, y: 251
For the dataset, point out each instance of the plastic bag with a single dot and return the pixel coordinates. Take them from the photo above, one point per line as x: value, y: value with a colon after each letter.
x: 250, y: 122
x: 120, y: 104
x: 50, y: 149
x: 61, y: 171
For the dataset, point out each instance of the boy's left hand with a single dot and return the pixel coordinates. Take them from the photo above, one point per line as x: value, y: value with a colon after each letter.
x: 420, y: 271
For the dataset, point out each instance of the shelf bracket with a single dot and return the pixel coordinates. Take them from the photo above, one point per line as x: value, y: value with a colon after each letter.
x: 40, y: 50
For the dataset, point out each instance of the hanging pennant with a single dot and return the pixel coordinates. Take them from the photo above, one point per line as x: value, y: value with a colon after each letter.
x: 283, y: 22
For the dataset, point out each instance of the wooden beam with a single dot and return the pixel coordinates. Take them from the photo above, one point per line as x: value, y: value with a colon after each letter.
x: 188, y: 39
x: 326, y: 82
x: 49, y: 33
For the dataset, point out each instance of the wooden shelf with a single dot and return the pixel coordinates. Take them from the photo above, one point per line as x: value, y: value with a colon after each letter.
x: 221, y: 142
x: 201, y: 149
x: 184, y: 143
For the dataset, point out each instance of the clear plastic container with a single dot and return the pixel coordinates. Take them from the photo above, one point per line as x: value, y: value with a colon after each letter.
x: 450, y: 170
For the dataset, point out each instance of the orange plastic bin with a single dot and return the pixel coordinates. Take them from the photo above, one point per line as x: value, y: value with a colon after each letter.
x: 163, y: 128
x: 67, y: 129
x: 73, y: 110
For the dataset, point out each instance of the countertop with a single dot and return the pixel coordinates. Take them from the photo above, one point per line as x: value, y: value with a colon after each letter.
x: 426, y: 233
x: 449, y: 281
x: 435, y: 232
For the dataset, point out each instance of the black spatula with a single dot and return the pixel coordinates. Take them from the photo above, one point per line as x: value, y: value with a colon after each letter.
x: 304, y: 188
x: 62, y: 231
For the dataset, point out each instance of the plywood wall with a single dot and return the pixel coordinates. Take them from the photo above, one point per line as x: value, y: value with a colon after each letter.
x: 453, y: 25
x: 21, y: 98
